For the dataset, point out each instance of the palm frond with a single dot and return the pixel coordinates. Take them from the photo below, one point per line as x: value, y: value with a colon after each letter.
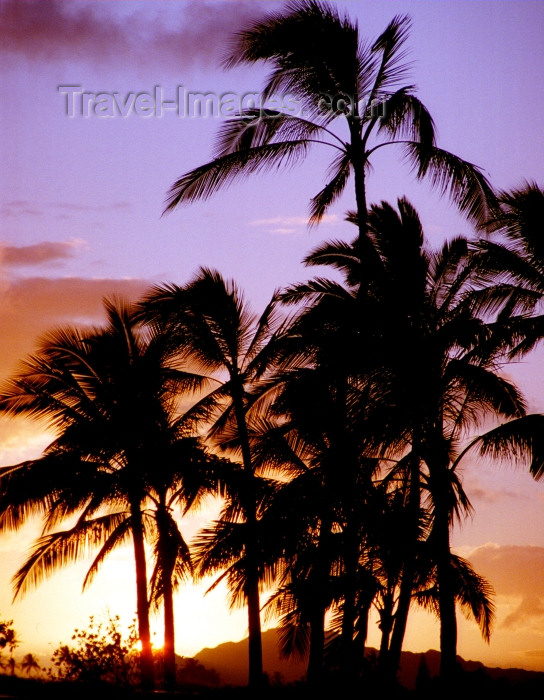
x: 518, y: 441
x: 207, y: 179
x: 116, y: 538
x: 390, y: 47
x: 56, y: 550
x: 405, y: 116
x: 475, y: 595
x: 338, y: 175
x: 463, y: 182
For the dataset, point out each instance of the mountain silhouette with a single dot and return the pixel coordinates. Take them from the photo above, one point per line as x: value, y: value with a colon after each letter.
x: 230, y: 662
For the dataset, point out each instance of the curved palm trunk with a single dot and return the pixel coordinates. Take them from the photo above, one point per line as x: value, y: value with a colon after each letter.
x: 386, y: 625
x: 362, y: 245
x: 142, y: 603
x: 358, y: 161
x: 255, y: 678
x: 168, y: 564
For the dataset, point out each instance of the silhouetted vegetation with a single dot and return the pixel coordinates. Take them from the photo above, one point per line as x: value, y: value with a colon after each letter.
x: 99, y: 653
x: 332, y: 425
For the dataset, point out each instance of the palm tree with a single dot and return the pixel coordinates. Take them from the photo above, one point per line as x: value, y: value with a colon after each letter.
x: 435, y: 339
x: 8, y: 638
x: 319, y: 59
x: 110, y: 394
x: 214, y: 332
x: 186, y: 473
x: 29, y: 664
x: 300, y: 441
x: 520, y: 219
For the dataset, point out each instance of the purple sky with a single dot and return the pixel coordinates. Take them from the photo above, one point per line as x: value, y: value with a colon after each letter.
x: 81, y: 202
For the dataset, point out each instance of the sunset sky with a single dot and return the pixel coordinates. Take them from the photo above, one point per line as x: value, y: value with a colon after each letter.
x: 81, y: 196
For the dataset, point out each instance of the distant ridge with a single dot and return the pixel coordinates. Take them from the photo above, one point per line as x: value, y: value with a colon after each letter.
x: 230, y: 661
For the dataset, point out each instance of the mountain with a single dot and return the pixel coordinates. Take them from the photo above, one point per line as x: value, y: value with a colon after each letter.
x: 230, y: 661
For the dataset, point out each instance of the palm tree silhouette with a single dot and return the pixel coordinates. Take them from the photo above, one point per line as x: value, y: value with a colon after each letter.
x: 213, y: 331
x: 435, y: 337
x: 319, y: 59
x: 111, y: 395
x: 185, y: 473
x: 29, y: 664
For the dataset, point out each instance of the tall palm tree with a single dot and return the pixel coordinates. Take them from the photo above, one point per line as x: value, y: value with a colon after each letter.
x: 436, y: 338
x: 109, y: 394
x: 319, y: 59
x: 302, y: 440
x: 185, y: 472
x: 214, y: 332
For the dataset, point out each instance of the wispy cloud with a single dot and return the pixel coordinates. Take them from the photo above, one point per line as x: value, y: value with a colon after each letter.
x: 38, y: 253
x: 487, y: 494
x: 283, y: 225
x: 21, y: 207
x: 180, y: 34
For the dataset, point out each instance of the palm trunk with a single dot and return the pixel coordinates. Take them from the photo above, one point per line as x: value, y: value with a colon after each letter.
x: 169, y: 653
x: 386, y: 625
x: 446, y: 596
x: 351, y: 561
x: 358, y: 161
x: 255, y: 675
x: 408, y: 569
x: 318, y: 602
x: 142, y: 603
x: 401, y: 618
x: 362, y: 627
x: 440, y: 489
x: 169, y: 638
x: 317, y: 643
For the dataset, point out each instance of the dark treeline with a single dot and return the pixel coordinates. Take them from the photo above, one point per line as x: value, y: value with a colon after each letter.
x: 332, y: 425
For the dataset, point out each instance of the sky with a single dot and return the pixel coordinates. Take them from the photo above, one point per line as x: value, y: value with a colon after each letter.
x: 83, y: 183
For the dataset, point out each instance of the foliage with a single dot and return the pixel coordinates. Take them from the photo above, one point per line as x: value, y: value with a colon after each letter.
x: 101, y: 653
x: 8, y: 636
x: 29, y: 664
x: 190, y: 672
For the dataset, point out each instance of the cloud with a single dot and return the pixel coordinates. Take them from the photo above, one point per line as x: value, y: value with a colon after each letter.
x: 37, y: 253
x: 483, y: 493
x: 530, y: 610
x: 535, y: 653
x: 515, y: 572
x: 22, y: 207
x: 283, y: 225
x: 20, y: 440
x: 32, y: 306
x: 179, y: 34
x: 513, y: 569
